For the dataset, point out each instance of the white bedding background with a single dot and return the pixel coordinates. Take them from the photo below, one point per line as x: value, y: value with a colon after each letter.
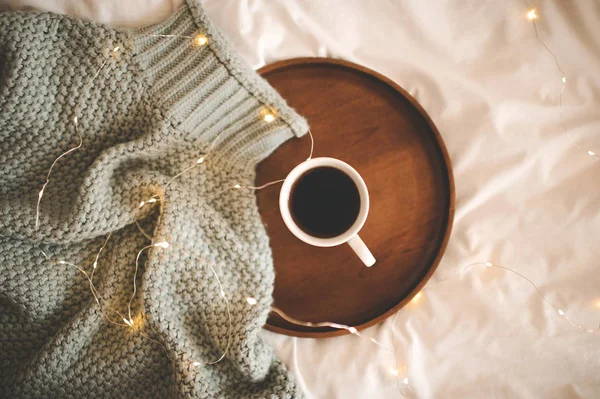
x: 525, y: 197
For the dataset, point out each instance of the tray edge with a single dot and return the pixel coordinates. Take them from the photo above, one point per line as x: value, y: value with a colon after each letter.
x: 278, y: 65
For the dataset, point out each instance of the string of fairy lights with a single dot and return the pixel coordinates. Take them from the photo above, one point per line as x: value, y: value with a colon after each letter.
x: 401, y: 374
x: 127, y: 319
x: 78, y: 133
x: 532, y: 15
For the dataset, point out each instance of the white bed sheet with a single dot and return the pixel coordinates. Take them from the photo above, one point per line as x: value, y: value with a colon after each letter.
x: 526, y: 198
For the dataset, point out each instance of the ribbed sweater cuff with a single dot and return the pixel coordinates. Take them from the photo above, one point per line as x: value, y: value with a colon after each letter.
x: 209, y: 91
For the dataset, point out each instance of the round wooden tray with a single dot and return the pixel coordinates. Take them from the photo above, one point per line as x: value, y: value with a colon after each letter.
x: 365, y: 119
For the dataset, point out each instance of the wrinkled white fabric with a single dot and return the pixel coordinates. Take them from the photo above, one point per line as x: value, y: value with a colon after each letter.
x: 525, y: 197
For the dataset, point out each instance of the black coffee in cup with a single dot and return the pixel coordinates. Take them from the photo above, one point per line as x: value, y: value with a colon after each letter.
x: 324, y: 202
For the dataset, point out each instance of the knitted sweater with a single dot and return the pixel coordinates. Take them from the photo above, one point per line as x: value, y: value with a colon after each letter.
x: 153, y: 110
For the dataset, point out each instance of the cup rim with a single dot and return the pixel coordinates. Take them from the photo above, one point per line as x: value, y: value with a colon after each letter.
x: 284, y: 197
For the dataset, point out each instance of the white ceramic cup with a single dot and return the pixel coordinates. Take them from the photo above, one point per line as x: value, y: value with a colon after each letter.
x: 350, y: 236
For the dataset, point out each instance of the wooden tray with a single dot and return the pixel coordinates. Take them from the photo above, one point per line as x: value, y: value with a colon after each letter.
x: 365, y: 119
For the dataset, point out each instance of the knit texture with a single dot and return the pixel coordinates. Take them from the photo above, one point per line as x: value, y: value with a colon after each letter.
x: 151, y: 112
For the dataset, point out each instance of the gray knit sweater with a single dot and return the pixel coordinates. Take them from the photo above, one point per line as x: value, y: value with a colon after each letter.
x: 151, y: 112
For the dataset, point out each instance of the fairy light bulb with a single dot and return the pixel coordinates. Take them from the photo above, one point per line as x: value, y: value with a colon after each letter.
x: 95, y: 264
x: 417, y: 297
x: 196, y: 364
x: 394, y: 372
x: 151, y: 200
x: 115, y: 53
x: 251, y: 301
x: 531, y: 14
x: 200, y: 40
x: 162, y: 244
x: 560, y: 312
x: 405, y: 380
x: 352, y: 330
x: 269, y: 117
x: 129, y: 322
x: 488, y: 264
x: 237, y: 186
x: 592, y: 153
x: 200, y: 160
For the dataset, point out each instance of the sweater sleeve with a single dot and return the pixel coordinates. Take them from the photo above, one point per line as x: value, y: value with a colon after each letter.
x: 210, y: 93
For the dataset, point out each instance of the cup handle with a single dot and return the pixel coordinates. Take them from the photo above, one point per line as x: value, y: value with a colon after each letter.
x: 362, y: 251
